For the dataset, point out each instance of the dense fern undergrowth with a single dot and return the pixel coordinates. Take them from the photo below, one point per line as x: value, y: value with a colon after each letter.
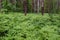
x: 16, y: 26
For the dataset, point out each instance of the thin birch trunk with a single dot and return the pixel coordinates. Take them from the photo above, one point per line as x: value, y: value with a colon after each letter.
x: 37, y: 6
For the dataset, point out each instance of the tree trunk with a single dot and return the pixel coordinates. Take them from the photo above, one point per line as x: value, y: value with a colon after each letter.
x: 42, y: 7
x: 38, y: 6
x: 58, y: 5
x: 25, y: 6
x: 32, y: 5
x: 35, y: 6
x: 0, y: 4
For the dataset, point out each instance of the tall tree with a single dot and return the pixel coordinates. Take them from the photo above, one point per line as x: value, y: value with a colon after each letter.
x: 32, y: 5
x: 38, y: 6
x: 25, y: 6
x: 0, y: 4
x: 35, y: 6
x: 42, y: 7
x: 58, y: 5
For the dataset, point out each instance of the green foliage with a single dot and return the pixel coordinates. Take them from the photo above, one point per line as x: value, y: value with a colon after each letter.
x: 16, y: 26
x: 4, y: 6
x: 4, y: 11
x: 7, y: 6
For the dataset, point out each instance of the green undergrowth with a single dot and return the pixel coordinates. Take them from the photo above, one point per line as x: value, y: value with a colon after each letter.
x: 16, y: 26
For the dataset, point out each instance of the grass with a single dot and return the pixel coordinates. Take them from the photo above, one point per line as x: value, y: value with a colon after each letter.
x: 16, y: 26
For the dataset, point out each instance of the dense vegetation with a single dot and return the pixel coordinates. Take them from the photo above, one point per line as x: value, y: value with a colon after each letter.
x: 16, y: 26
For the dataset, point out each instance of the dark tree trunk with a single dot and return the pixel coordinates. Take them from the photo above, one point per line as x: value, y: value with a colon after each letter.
x: 0, y: 4
x: 42, y: 7
x: 25, y: 6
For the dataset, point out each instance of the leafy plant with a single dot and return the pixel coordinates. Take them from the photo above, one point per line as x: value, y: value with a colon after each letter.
x: 16, y: 26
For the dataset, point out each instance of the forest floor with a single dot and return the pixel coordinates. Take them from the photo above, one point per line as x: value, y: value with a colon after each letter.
x: 16, y: 26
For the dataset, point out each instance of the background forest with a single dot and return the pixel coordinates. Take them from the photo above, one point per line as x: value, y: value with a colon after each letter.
x: 32, y: 5
x: 42, y: 21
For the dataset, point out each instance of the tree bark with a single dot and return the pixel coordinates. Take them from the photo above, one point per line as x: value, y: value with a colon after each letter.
x: 58, y: 5
x: 25, y: 6
x: 35, y: 6
x: 32, y: 5
x: 42, y: 7
x: 38, y: 6
x: 0, y: 4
